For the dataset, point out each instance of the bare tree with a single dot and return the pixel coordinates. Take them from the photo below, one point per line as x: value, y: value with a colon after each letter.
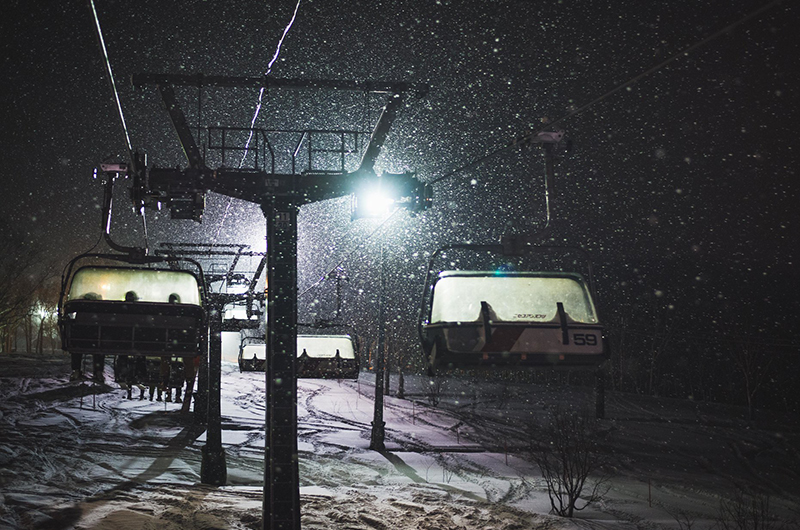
x: 747, y: 512
x: 754, y: 367
x: 567, y: 457
x: 684, y: 519
x: 434, y: 390
x: 21, y: 274
x: 660, y: 343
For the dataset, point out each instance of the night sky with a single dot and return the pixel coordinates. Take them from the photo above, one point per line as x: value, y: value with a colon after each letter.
x: 683, y: 187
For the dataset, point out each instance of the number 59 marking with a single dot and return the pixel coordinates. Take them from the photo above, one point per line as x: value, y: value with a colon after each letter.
x: 584, y: 339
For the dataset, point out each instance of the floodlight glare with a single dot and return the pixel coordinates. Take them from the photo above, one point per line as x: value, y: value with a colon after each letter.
x: 380, y: 196
x: 373, y: 202
x: 377, y: 203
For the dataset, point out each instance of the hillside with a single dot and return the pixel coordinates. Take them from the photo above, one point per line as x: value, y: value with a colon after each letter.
x: 79, y: 456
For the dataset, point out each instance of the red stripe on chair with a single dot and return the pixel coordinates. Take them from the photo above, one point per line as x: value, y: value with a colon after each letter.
x: 503, y: 338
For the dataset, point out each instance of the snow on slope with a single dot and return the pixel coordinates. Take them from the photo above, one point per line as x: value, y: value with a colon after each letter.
x: 82, y: 456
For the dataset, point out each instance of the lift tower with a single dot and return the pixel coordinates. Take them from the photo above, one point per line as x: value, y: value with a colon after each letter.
x: 279, y: 194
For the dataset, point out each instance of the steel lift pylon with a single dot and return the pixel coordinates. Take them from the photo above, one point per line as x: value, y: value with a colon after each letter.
x: 279, y: 195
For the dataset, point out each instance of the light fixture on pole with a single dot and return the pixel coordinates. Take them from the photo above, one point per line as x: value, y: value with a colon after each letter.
x: 386, y: 192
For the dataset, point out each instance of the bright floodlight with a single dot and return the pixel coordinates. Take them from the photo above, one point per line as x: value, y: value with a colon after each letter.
x: 372, y: 203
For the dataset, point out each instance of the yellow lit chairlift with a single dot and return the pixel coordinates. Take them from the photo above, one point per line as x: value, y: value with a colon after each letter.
x: 113, y: 310
x: 318, y: 357
x: 496, y: 318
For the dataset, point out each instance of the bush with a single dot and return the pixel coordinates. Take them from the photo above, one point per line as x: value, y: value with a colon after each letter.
x: 748, y: 512
x: 568, y: 455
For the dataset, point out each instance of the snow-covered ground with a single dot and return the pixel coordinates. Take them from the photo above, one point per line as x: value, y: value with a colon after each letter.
x: 78, y: 456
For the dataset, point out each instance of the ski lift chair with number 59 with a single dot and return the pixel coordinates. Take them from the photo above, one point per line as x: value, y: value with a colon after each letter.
x: 494, y: 318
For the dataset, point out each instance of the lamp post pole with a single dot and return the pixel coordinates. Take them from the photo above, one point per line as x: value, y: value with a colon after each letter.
x: 376, y: 442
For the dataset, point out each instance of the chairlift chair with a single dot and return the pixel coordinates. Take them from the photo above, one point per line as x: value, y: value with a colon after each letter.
x: 235, y: 316
x: 132, y: 310
x: 326, y: 357
x: 252, y: 354
x: 318, y: 356
x: 510, y: 319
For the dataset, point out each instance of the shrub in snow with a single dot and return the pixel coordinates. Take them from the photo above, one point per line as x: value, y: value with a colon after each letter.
x: 567, y: 452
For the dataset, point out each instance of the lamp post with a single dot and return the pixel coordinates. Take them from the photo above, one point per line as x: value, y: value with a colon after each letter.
x: 376, y: 441
x: 375, y: 201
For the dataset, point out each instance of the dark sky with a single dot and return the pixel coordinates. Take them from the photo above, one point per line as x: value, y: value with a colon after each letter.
x: 684, y: 187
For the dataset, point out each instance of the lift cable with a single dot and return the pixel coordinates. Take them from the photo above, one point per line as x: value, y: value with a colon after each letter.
x: 349, y: 255
x: 263, y: 89
x: 113, y: 84
x: 110, y: 76
x: 532, y: 135
x: 258, y: 108
x: 84, y: 253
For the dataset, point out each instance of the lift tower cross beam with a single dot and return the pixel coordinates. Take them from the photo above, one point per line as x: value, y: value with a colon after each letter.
x: 280, y: 195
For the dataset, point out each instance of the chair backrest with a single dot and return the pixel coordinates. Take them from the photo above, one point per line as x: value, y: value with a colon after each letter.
x: 316, y: 347
x: 134, y: 285
x: 259, y: 351
x: 326, y: 346
x: 511, y: 297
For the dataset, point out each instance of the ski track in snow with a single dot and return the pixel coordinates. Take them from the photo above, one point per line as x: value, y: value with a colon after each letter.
x: 77, y: 455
